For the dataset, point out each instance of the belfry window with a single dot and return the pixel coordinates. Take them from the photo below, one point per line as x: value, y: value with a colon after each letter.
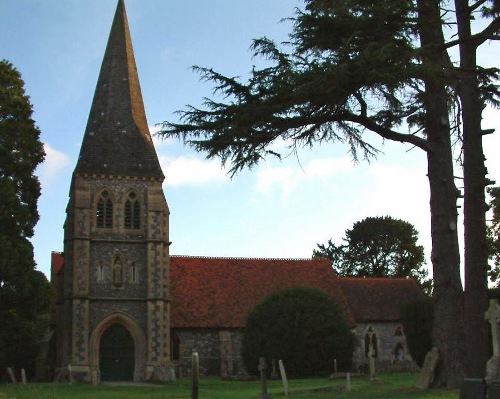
x: 132, y: 212
x: 104, y: 211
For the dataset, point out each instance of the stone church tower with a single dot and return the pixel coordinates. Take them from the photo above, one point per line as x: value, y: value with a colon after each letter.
x: 114, y: 311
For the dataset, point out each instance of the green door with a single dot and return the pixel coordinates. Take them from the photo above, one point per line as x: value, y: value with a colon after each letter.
x: 116, y: 354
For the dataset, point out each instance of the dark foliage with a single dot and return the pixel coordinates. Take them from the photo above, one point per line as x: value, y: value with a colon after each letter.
x: 494, y: 235
x: 301, y: 326
x: 378, y: 247
x: 417, y: 319
x: 25, y: 294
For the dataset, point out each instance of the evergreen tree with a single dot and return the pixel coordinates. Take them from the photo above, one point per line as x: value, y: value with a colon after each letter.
x: 359, y: 66
x: 494, y: 235
x: 301, y: 326
x: 378, y: 247
x: 25, y: 294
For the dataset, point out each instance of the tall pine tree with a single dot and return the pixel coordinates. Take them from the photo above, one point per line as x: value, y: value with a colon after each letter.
x: 358, y: 66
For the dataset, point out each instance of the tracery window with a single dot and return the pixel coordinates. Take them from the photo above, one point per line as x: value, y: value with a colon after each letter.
x: 132, y: 212
x: 104, y: 210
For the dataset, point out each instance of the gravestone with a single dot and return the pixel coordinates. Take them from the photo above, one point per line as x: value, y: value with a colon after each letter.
x: 493, y: 365
x: 12, y: 377
x: 274, y: 373
x: 283, y: 377
x: 23, y: 377
x: 348, y: 382
x: 263, y: 379
x: 335, y: 369
x: 428, y: 369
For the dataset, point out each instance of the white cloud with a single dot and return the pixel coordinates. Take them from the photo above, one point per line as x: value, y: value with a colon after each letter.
x: 286, y: 178
x: 55, y: 162
x: 188, y: 171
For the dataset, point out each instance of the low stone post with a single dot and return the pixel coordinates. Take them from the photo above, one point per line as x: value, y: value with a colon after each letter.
x: 263, y: 378
x: 23, y: 377
x: 195, y: 368
x: 348, y: 382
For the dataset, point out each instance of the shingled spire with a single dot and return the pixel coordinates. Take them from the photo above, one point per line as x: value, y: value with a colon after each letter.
x: 117, y: 141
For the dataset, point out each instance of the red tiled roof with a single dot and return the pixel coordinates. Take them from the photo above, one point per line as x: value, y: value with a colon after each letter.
x: 219, y: 292
x: 56, y: 263
x: 378, y: 299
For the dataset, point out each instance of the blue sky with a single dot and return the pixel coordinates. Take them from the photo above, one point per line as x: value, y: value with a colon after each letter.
x: 278, y: 209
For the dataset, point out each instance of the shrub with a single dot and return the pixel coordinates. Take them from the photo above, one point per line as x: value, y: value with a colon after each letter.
x: 301, y: 326
x: 417, y: 317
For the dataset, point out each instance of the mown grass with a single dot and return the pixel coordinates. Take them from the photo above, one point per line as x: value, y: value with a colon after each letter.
x: 389, y: 386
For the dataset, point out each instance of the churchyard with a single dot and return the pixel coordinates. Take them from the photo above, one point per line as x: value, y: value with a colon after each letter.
x: 393, y: 386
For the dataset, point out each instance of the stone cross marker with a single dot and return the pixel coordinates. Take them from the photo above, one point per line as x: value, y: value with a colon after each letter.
x: 263, y: 379
x: 371, y: 356
x: 493, y: 365
x: 283, y: 377
x: 492, y: 315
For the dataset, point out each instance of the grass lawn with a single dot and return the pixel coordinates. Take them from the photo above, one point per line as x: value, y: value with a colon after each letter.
x: 390, y: 386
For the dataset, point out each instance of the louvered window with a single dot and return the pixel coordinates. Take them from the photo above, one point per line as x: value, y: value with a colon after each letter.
x: 132, y: 212
x: 104, y: 211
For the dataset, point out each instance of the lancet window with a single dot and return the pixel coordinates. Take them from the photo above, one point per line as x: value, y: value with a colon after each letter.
x: 104, y: 210
x: 132, y: 212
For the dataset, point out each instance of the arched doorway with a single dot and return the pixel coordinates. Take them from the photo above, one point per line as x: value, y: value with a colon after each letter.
x: 116, y: 354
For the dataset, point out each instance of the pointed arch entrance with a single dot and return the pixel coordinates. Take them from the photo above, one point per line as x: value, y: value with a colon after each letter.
x: 118, y: 349
x: 116, y: 354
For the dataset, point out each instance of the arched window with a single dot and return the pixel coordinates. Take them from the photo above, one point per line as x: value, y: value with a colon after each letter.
x: 399, y: 352
x: 104, y: 211
x: 100, y: 272
x: 132, y: 212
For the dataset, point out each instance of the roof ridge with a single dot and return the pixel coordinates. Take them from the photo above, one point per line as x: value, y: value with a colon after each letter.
x: 245, y: 258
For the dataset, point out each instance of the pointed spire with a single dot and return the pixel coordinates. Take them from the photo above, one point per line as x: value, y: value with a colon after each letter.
x: 117, y: 139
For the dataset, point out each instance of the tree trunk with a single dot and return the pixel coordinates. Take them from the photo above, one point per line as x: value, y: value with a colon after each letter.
x: 448, y: 333
x: 476, y: 252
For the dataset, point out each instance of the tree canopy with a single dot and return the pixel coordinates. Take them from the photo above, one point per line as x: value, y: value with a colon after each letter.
x: 357, y: 66
x: 25, y: 294
x: 494, y: 235
x: 378, y: 247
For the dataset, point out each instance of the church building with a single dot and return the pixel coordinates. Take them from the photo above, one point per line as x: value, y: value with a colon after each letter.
x: 127, y: 310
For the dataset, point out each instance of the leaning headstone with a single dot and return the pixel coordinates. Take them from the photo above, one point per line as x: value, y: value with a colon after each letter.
x: 12, y: 377
x: 23, y: 377
x: 428, y: 369
x: 283, y: 377
x: 195, y: 375
x: 263, y: 379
